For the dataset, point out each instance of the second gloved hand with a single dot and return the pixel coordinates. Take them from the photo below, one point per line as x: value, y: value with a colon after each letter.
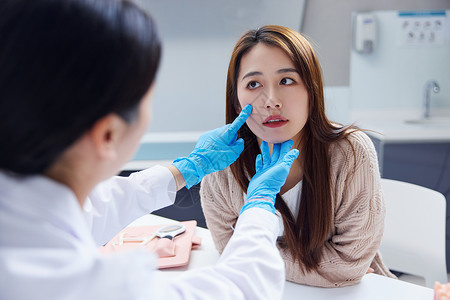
x: 214, y: 151
x: 271, y: 172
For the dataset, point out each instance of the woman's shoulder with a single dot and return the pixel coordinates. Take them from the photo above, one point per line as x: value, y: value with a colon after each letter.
x: 354, y: 150
x: 222, y: 182
x: 220, y: 189
x: 356, y: 142
x: 353, y: 165
x: 224, y: 177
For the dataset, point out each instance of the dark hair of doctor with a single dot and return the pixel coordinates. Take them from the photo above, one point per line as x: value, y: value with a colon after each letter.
x: 62, y: 69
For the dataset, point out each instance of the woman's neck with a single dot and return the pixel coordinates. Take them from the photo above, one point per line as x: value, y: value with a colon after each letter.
x: 294, y: 177
x: 296, y: 171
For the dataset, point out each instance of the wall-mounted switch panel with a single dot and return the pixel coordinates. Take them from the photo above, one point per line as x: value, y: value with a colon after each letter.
x: 421, y: 28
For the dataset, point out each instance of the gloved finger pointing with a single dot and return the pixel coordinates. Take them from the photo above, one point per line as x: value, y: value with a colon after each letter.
x: 240, y: 120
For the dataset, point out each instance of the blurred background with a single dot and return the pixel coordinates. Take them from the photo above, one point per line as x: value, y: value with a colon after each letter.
x: 385, y: 65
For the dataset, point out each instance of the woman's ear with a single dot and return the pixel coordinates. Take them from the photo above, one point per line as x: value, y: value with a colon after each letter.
x: 106, y: 134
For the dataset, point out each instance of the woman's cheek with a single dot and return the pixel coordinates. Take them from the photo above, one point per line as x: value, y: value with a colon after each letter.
x: 243, y: 103
x: 255, y: 127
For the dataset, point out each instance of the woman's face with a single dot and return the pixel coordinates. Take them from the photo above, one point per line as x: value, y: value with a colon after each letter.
x: 269, y: 82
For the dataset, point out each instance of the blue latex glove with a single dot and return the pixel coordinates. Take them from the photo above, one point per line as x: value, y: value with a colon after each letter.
x: 215, y: 150
x: 271, y: 172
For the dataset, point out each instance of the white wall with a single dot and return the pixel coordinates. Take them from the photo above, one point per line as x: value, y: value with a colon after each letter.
x: 198, y: 38
x: 394, y: 75
x: 199, y: 35
x: 328, y: 23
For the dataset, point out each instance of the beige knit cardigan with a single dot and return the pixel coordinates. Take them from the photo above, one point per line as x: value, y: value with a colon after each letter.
x: 358, y: 218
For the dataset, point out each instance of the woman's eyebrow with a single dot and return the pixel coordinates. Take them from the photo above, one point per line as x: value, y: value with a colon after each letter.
x: 287, y: 70
x: 280, y: 71
x: 251, y: 74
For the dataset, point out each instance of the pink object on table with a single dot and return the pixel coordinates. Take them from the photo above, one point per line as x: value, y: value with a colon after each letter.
x: 172, y: 253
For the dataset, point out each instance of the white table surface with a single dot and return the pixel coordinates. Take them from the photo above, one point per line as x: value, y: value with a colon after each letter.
x: 372, y: 286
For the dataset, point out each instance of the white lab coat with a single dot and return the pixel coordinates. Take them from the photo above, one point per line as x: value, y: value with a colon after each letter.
x: 49, y: 245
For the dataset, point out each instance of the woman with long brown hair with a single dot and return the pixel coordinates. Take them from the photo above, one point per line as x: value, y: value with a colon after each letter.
x: 331, y: 206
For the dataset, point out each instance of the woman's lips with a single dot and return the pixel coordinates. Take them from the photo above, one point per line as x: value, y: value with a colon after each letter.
x: 275, y: 121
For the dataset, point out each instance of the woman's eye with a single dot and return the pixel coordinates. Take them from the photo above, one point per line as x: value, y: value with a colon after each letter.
x: 287, y: 81
x: 253, y: 84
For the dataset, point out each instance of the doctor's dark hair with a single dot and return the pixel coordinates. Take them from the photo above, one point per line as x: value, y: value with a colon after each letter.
x: 305, y: 234
x: 65, y: 64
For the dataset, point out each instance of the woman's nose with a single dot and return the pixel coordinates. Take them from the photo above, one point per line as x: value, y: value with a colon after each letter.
x: 272, y: 102
x: 272, y: 99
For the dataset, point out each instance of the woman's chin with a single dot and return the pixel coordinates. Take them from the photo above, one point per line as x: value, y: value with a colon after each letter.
x: 274, y: 140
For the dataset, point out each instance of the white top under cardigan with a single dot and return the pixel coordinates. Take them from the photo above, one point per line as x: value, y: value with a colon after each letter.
x: 49, y: 245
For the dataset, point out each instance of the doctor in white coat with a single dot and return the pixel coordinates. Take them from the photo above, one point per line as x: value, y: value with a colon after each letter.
x: 76, y: 80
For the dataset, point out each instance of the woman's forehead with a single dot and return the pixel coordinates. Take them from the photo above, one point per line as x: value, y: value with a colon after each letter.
x: 264, y: 57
